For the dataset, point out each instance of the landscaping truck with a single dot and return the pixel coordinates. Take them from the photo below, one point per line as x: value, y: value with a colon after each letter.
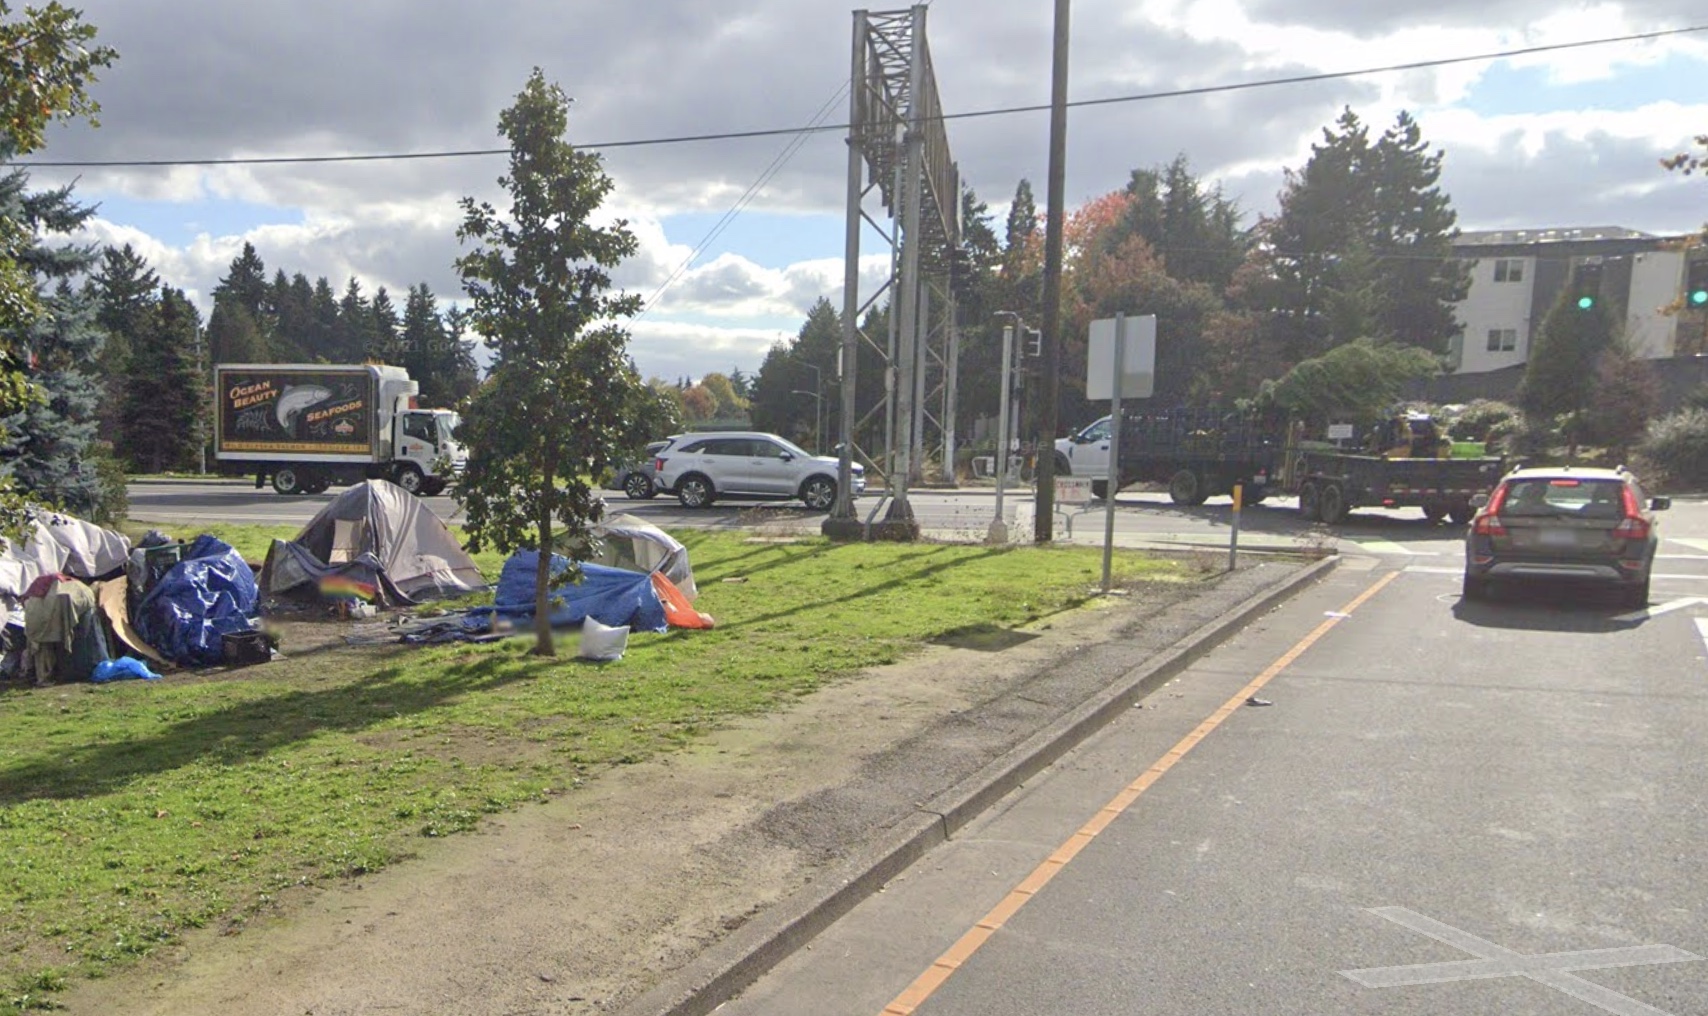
x: 1404, y: 462
x: 306, y: 426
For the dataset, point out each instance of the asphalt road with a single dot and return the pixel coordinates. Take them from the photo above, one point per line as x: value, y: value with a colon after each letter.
x: 1140, y: 519
x: 1445, y: 808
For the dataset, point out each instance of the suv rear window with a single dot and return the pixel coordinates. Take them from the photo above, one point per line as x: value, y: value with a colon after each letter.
x: 1565, y: 496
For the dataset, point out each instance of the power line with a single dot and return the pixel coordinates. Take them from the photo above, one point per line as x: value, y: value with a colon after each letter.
x: 770, y: 172
x: 681, y: 139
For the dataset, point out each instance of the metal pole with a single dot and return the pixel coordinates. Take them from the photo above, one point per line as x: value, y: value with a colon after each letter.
x: 1113, y: 482
x: 921, y: 368
x: 1049, y: 410
x: 1233, y: 537
x: 844, y: 509
x: 913, y: 187
x: 950, y: 395
x: 998, y: 526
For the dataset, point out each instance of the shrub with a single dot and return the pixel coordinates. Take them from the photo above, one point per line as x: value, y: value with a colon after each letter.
x: 1480, y: 420
x: 1678, y: 446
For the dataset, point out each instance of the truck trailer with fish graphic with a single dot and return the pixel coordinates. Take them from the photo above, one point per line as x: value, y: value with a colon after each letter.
x: 306, y: 426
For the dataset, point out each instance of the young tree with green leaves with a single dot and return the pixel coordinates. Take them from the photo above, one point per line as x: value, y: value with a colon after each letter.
x: 563, y: 403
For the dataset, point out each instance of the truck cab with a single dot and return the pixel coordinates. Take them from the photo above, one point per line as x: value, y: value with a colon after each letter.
x: 426, y: 451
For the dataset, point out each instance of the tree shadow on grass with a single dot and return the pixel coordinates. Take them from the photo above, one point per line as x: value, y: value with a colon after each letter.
x: 250, y: 730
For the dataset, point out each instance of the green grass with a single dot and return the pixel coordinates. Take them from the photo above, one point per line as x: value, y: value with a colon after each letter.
x: 132, y: 812
x: 1469, y: 450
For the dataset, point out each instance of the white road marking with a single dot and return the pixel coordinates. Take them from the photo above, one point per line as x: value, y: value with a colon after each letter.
x: 1556, y: 970
x: 1661, y: 608
x: 1691, y: 542
x: 1391, y: 548
x: 1702, y: 630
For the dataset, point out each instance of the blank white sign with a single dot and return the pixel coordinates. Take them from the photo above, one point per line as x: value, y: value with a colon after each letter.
x: 1138, y: 360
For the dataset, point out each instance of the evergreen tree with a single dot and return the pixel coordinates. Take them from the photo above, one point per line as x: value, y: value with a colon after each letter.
x: 288, y: 304
x: 51, y: 450
x: 322, y: 341
x: 245, y: 284
x: 124, y: 288
x: 1363, y: 227
x: 788, y: 368
x: 385, y: 333
x: 49, y: 61
x: 234, y: 336
x: 1559, y: 376
x: 435, y: 355
x: 166, y: 398
x: 355, y: 325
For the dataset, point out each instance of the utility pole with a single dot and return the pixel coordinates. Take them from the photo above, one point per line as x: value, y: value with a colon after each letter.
x: 1044, y: 523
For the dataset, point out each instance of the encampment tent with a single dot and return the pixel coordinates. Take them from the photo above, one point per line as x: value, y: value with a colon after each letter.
x: 209, y: 594
x: 625, y: 541
x: 60, y: 545
x: 375, y: 541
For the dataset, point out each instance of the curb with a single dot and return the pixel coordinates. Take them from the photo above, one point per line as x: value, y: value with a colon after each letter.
x: 732, y: 965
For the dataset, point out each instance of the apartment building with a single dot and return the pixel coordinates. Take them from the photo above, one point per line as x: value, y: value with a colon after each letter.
x: 1516, y: 276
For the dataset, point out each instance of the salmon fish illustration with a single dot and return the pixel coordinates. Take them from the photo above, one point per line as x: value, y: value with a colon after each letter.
x: 296, y: 399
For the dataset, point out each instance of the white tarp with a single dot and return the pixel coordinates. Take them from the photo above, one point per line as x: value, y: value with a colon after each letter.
x: 62, y: 544
x: 627, y: 541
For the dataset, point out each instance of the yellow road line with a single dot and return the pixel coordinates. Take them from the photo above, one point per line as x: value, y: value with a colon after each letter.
x: 935, y: 976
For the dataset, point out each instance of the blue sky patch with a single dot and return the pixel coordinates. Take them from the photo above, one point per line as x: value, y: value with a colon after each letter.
x: 768, y: 240
x: 1517, y: 91
x: 177, y: 224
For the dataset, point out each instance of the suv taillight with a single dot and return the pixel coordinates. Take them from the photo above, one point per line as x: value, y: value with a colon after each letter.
x: 1488, y: 522
x: 658, y: 464
x: 1633, y: 526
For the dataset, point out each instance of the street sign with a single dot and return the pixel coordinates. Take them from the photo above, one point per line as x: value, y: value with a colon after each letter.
x: 1138, y: 359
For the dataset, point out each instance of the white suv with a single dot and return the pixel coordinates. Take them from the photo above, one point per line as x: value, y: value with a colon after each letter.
x: 701, y: 468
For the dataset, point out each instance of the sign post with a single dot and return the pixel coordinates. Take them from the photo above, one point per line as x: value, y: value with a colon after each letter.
x: 1233, y: 536
x: 1113, y: 483
x: 998, y: 532
x: 1128, y: 346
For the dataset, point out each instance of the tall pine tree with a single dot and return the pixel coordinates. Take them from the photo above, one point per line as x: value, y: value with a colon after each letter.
x: 124, y: 288
x: 166, y: 397
x: 50, y: 451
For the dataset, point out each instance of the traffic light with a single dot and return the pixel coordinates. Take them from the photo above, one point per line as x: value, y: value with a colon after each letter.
x: 1696, y: 285
x: 1586, y: 284
x: 1034, y: 342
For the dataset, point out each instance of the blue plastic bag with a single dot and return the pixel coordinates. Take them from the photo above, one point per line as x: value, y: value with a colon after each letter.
x: 123, y: 668
x: 614, y: 597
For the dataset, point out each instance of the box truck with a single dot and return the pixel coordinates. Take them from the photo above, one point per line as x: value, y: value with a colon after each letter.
x: 306, y: 426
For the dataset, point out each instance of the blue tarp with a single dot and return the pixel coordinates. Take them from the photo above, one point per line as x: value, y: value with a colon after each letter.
x: 210, y: 592
x: 611, y: 596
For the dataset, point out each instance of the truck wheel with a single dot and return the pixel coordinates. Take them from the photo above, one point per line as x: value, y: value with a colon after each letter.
x: 318, y: 484
x: 287, y: 480
x: 1185, y: 488
x: 1461, y: 513
x: 1309, y: 502
x: 409, y: 478
x: 1434, y: 511
x: 1100, y: 489
x: 432, y: 488
x: 1063, y: 466
x: 1332, y: 503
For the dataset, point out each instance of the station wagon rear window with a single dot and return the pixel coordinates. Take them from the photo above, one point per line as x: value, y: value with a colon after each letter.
x: 1562, y: 496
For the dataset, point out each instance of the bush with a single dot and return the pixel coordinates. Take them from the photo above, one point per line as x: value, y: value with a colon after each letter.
x: 1678, y: 447
x: 1483, y: 418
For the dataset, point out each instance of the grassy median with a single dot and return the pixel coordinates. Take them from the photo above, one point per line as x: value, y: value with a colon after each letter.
x: 134, y: 811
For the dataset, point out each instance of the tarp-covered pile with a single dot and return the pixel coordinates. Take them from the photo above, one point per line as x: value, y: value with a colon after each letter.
x: 210, y: 593
x: 616, y: 597
x: 374, y: 542
x: 60, y: 545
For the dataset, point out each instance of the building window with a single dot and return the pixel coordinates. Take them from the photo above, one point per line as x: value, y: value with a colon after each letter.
x: 1503, y: 340
x: 1509, y: 270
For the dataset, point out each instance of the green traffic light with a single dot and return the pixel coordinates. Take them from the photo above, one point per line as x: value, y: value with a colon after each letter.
x: 1699, y: 298
x: 1586, y: 302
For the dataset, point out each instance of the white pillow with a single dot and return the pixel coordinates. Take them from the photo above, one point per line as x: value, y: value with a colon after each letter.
x: 602, y: 643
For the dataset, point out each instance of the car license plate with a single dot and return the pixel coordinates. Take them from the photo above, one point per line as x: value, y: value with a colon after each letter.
x: 1558, y: 538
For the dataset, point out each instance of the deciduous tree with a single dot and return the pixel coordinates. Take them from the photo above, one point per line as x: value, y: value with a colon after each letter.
x: 563, y: 402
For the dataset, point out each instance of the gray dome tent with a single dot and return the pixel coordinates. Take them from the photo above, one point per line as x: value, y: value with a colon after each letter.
x: 375, y: 532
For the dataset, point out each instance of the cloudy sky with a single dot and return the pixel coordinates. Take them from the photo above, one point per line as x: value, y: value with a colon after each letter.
x: 1564, y: 139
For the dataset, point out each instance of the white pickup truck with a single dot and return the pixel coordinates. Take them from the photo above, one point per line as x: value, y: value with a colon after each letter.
x: 1086, y: 453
